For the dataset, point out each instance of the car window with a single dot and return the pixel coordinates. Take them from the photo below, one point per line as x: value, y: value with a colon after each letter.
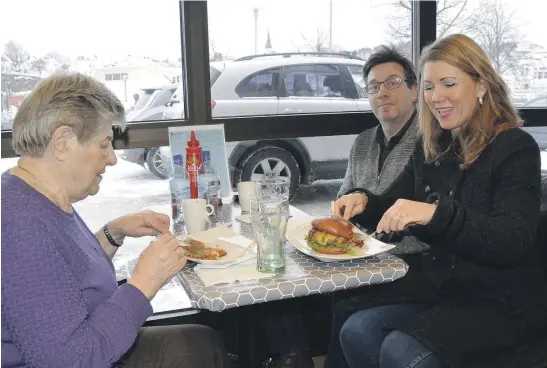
x: 146, y: 97
x: 214, y: 73
x: 261, y: 84
x: 320, y: 80
x: 177, y: 95
x: 357, y: 75
x: 164, y: 96
x: 15, y: 88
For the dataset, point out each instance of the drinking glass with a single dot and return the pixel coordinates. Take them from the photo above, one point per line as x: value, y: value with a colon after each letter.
x: 269, y: 216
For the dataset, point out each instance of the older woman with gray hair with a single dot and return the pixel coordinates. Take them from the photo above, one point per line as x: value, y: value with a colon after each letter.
x: 61, y: 305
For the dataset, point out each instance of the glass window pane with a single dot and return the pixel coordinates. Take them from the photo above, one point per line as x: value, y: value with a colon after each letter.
x: 315, y: 43
x: 149, y: 56
x: 320, y: 63
x: 514, y: 35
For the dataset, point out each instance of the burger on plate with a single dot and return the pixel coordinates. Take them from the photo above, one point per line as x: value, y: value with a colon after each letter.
x: 331, y: 235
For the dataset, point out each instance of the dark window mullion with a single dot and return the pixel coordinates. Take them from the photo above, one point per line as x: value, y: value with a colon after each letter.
x: 424, y: 26
x: 195, y: 48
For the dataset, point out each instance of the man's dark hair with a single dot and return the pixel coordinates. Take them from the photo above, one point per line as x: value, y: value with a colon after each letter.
x: 389, y: 54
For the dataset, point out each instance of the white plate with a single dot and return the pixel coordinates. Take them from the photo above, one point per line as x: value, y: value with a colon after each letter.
x: 297, y: 237
x: 234, y: 253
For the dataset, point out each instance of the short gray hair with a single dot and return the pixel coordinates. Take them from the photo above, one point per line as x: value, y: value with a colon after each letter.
x: 65, y: 98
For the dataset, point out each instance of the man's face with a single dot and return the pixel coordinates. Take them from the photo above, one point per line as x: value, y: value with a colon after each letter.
x: 389, y: 105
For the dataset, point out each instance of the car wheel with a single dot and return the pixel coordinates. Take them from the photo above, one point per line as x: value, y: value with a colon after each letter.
x: 269, y: 161
x: 155, y: 163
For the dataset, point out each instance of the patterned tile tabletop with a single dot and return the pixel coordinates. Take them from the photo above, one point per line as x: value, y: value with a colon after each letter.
x: 303, y: 275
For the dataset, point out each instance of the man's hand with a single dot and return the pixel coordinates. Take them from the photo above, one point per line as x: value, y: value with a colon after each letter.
x: 146, y: 223
x: 405, y: 213
x: 350, y: 205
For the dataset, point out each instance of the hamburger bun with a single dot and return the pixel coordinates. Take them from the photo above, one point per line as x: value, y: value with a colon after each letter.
x: 334, y: 226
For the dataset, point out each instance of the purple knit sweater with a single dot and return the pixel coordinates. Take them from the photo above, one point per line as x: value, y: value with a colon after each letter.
x: 61, y: 306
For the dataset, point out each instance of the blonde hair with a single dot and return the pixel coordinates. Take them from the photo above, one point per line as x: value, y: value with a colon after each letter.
x: 496, y: 114
x: 64, y: 99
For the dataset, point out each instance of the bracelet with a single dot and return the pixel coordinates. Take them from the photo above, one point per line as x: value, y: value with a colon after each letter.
x: 110, y: 238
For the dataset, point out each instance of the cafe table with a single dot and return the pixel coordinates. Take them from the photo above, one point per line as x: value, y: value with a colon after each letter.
x: 303, y: 276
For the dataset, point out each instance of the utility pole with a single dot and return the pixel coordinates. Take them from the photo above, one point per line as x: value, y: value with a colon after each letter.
x: 330, y: 28
x: 255, y: 12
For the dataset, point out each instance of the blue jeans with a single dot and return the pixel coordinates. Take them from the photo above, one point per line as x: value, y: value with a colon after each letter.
x: 365, y: 343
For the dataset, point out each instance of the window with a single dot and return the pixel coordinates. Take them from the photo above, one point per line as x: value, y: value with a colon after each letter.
x: 149, y: 56
x: 152, y: 100
x: 314, y: 44
x: 513, y: 34
x: 139, y: 69
x: 15, y: 87
x: 315, y: 81
x: 288, y: 58
x: 358, y: 79
x: 174, y: 107
x: 263, y: 84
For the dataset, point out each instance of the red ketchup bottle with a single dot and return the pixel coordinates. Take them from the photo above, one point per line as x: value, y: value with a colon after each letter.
x: 193, y: 163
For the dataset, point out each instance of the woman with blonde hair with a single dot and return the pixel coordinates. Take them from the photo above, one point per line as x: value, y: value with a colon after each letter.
x: 471, y: 190
x: 61, y: 305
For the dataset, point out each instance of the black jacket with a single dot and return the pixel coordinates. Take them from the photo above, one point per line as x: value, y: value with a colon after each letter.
x: 481, y: 276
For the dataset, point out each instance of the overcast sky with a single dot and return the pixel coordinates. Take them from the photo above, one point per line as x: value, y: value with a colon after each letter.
x: 121, y: 27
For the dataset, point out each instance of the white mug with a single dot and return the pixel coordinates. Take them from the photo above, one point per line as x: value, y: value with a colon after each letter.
x: 196, y: 214
x: 245, y: 191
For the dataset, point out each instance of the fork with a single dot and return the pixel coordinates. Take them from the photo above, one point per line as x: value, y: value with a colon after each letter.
x: 375, y: 235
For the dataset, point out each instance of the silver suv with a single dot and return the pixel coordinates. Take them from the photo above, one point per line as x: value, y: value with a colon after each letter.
x: 282, y: 84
